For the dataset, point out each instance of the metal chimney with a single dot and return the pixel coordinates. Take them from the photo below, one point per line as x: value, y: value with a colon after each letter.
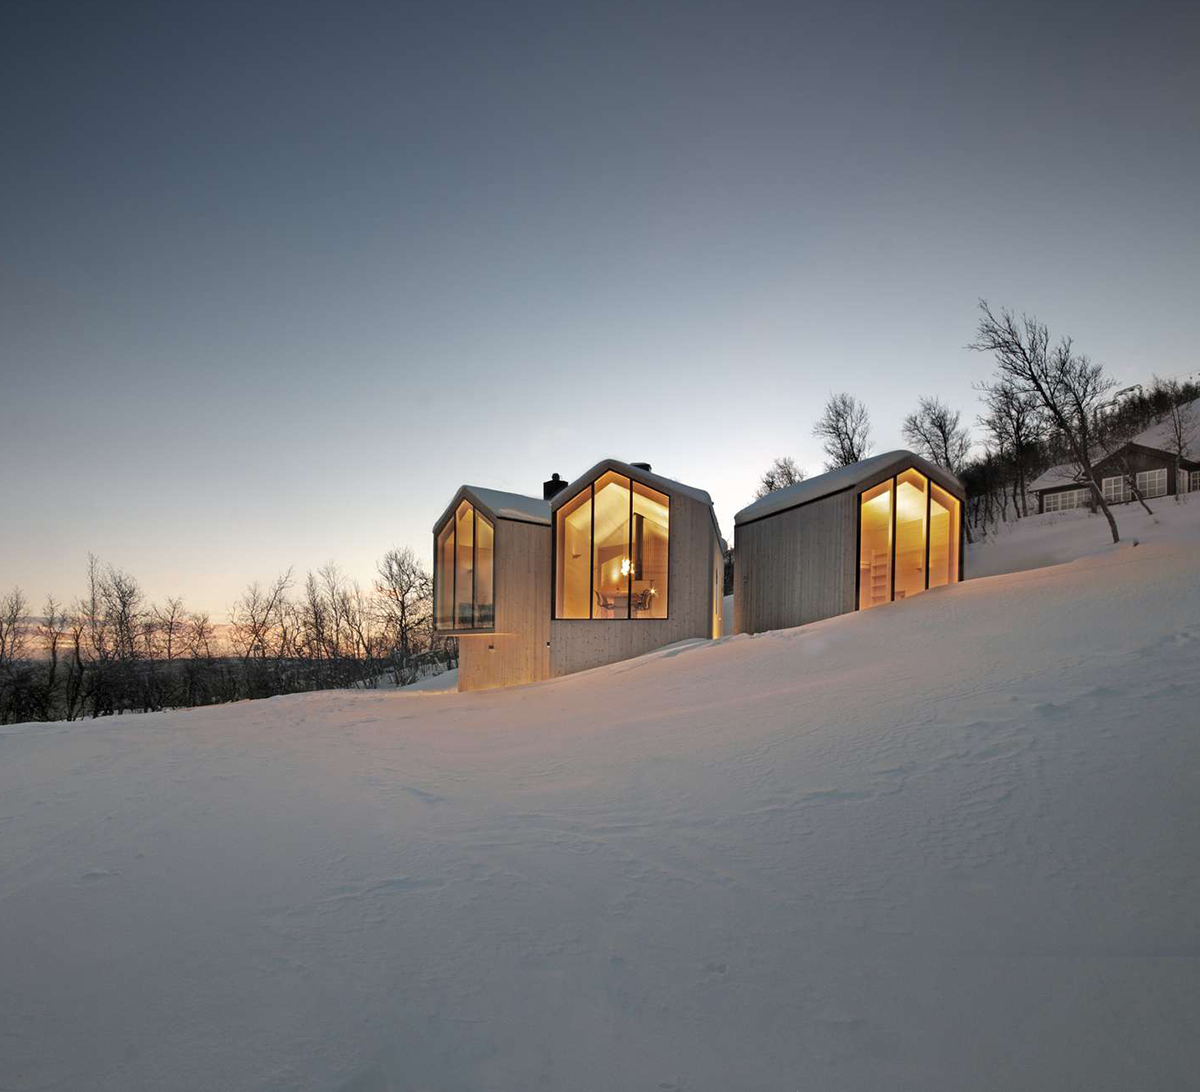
x: 553, y: 487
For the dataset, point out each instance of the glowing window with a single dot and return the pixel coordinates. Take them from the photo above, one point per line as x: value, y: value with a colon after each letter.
x: 463, y: 571
x: 875, y: 547
x: 612, y: 551
x: 944, y: 518
x: 908, y: 540
x: 911, y: 489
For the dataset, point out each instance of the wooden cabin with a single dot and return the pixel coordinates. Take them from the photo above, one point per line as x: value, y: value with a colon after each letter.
x: 491, y: 587
x: 619, y: 562
x: 637, y: 564
x: 883, y: 529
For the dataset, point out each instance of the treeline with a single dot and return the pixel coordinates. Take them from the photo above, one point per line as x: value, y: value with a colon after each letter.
x: 1046, y: 404
x: 113, y: 652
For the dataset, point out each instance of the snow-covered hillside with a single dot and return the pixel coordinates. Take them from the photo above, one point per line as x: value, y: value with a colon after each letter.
x: 949, y: 844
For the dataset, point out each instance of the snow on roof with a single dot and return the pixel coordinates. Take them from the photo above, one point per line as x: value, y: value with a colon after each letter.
x: 646, y: 477
x: 512, y: 505
x: 1063, y: 474
x: 501, y: 505
x: 835, y: 481
x: 1161, y: 435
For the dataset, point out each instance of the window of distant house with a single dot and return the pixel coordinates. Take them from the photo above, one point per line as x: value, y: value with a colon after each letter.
x: 1067, y: 500
x: 1152, y: 483
x: 1116, y: 490
x: 611, y: 551
x: 463, y: 571
x: 1194, y: 482
x: 908, y: 539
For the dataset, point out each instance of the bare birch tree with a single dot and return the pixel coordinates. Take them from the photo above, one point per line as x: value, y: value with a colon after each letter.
x: 1067, y: 387
x: 780, y: 474
x: 844, y: 428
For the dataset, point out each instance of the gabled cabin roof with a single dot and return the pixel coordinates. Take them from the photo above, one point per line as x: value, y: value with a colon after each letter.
x: 499, y: 505
x: 646, y: 477
x: 843, y: 479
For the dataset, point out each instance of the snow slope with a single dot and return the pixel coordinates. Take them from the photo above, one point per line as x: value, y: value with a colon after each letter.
x: 948, y: 844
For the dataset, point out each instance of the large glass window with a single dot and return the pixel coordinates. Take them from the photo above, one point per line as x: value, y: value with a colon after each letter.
x: 463, y: 571
x: 945, y: 512
x: 611, y: 551
x: 610, y: 547
x: 911, y: 489
x: 572, y: 557
x: 875, y: 547
x: 650, y: 551
x: 909, y: 530
x: 443, y: 569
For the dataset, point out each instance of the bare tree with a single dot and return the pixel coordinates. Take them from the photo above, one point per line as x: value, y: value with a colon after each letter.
x: 1067, y: 387
x: 14, y: 629
x: 936, y: 432
x: 781, y: 473
x: 1012, y: 421
x: 404, y: 592
x: 256, y: 615
x: 1182, y: 425
x: 170, y: 624
x: 844, y: 428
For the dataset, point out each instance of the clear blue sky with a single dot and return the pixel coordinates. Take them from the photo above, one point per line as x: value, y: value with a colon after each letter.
x: 276, y: 278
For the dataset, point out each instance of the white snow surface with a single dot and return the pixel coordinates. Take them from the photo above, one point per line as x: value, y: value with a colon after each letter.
x: 947, y: 844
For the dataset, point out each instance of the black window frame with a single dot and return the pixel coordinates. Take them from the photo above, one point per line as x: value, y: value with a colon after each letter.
x: 476, y: 626
x: 590, y: 488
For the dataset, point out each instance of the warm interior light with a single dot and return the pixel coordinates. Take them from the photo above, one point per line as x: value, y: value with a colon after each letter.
x: 624, y: 566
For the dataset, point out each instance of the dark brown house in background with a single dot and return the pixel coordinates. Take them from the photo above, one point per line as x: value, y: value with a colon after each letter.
x: 1156, y: 473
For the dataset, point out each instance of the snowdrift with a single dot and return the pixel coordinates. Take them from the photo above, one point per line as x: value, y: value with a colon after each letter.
x: 949, y: 844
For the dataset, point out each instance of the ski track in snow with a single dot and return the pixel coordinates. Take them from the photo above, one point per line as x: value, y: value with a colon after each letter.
x: 947, y: 844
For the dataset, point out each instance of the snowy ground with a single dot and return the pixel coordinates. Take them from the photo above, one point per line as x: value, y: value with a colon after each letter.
x: 949, y: 844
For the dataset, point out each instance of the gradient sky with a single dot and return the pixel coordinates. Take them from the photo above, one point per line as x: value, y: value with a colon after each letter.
x: 276, y: 278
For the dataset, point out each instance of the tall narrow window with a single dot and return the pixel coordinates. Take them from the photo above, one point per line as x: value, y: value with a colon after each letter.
x: 944, y: 514
x: 612, y: 551
x: 463, y: 571
x: 485, y: 605
x: 875, y: 547
x: 572, y: 553
x: 444, y: 576
x: 464, y: 565
x: 610, y: 547
x: 650, y: 549
x: 910, y: 534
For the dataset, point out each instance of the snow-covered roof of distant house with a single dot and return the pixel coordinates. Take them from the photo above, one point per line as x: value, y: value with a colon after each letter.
x: 837, y: 481
x: 1161, y: 435
x: 501, y: 505
x: 1063, y: 474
